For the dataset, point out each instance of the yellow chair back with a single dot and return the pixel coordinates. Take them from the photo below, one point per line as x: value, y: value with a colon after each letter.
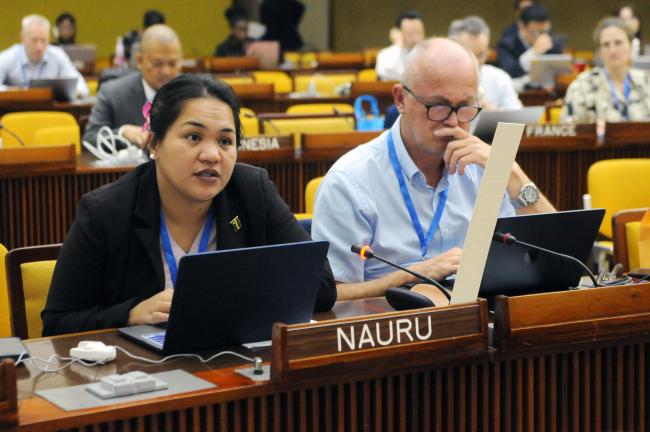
x: 632, y: 230
x: 367, y: 75
x: 92, y: 86
x: 37, y: 277
x: 324, y: 84
x: 300, y: 126
x: 282, y: 83
x: 26, y: 124
x: 58, y: 135
x: 310, y: 193
x: 320, y: 108
x: 249, y: 123
x: 5, y: 314
x: 618, y: 184
x: 244, y: 79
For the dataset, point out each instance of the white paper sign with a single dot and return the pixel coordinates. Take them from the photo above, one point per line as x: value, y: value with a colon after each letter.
x: 486, y: 211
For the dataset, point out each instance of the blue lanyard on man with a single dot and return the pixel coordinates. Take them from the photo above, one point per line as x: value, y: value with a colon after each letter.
x: 415, y: 221
x: 167, y: 245
x: 24, y: 66
x: 625, y: 110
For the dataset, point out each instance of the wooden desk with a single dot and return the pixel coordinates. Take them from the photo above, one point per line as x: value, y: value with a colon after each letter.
x: 582, y: 369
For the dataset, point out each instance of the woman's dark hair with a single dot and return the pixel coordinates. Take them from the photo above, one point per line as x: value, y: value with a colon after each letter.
x: 169, y: 100
x: 152, y: 17
x: 66, y: 16
x: 235, y: 14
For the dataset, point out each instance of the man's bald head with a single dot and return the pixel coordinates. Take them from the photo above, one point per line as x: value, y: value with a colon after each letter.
x: 439, y: 58
x: 159, y: 34
x: 160, y: 55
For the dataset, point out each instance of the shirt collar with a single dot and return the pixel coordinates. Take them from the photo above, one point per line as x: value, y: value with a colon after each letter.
x: 411, y: 171
x: 24, y: 60
x: 149, y: 92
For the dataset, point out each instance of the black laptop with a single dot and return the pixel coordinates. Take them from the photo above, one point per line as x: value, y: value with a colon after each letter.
x: 63, y: 89
x: 232, y: 297
x: 513, y: 269
x: 485, y: 125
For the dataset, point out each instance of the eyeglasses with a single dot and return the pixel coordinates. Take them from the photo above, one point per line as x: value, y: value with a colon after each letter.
x: 440, y: 112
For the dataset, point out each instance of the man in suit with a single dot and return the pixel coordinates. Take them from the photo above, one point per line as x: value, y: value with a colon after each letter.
x: 516, y: 51
x: 119, y: 102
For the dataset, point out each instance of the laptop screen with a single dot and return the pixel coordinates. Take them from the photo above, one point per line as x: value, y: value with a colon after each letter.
x: 514, y: 268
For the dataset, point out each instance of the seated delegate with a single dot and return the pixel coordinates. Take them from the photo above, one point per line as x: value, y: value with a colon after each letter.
x: 118, y: 262
x: 614, y: 92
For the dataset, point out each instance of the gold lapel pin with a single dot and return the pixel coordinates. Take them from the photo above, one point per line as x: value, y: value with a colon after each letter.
x: 236, y: 223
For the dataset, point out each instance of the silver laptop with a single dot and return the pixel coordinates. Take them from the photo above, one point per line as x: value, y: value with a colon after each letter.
x: 486, y: 123
x: 63, y: 89
x: 543, y: 69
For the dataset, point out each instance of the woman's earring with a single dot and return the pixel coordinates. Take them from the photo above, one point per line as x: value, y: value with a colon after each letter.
x: 152, y: 155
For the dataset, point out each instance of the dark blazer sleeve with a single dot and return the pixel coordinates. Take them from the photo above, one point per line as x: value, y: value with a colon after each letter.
x: 282, y: 227
x: 76, y: 300
x: 508, y: 56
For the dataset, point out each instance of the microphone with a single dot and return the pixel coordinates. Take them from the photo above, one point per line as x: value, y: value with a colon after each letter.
x: 365, y: 252
x: 22, y: 143
x: 347, y: 119
x: 273, y: 126
x: 509, y: 239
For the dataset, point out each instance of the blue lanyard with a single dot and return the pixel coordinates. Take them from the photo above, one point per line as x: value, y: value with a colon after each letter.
x: 624, y: 111
x: 167, y: 245
x: 415, y: 221
x: 23, y: 68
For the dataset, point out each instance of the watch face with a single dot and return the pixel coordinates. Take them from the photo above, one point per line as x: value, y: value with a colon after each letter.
x: 530, y: 194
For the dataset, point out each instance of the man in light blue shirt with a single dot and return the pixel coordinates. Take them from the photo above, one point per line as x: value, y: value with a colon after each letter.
x: 409, y: 193
x: 35, y: 58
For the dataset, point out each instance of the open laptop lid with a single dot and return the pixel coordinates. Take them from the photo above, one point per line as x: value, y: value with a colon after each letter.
x: 63, y: 89
x: 232, y: 297
x: 514, y: 269
x: 486, y: 124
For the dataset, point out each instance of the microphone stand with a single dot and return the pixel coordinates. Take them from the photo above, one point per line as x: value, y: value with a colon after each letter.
x: 366, y: 252
x: 509, y: 239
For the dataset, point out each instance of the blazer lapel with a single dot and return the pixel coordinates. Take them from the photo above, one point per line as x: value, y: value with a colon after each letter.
x: 147, y: 220
x: 230, y: 223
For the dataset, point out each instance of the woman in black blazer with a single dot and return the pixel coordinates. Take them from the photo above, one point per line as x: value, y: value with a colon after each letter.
x: 118, y: 262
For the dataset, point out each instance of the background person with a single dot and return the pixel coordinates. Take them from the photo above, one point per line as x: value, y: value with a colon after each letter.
x: 614, y: 92
x: 627, y: 13
x: 116, y: 266
x: 35, y: 58
x: 119, y: 101
x: 65, y: 29
x: 390, y: 60
x: 496, y: 90
x: 235, y: 43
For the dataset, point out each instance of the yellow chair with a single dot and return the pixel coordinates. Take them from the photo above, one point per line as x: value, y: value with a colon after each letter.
x: 282, y: 83
x: 310, y: 193
x: 26, y: 124
x: 29, y: 274
x: 58, y: 135
x: 626, y: 226
x: 249, y: 123
x: 367, y: 75
x: 320, y: 108
x: 618, y: 184
x: 614, y: 185
x: 323, y: 84
x: 299, y: 126
x: 236, y: 79
x: 5, y: 317
x: 92, y: 86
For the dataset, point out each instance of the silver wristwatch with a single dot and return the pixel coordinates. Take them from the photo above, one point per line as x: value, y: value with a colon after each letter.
x: 528, y: 195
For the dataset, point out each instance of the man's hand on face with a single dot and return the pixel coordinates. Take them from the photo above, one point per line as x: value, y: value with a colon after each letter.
x: 463, y: 149
x: 542, y: 44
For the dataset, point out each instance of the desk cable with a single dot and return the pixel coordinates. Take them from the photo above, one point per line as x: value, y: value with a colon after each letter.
x: 38, y: 362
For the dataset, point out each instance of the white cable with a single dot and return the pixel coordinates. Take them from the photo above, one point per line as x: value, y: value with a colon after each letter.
x: 106, y: 149
x: 201, y: 359
x: 36, y: 362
